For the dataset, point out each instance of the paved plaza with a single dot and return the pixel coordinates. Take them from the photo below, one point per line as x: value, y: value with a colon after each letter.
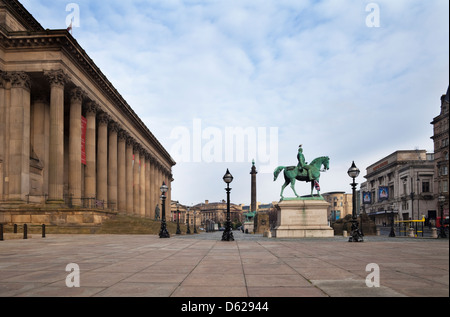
x: 203, y: 266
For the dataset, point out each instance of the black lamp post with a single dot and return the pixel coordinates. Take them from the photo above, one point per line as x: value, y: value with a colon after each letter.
x: 228, y: 233
x: 163, y: 233
x: 188, y: 231
x: 356, y: 235
x: 178, y: 219
x: 392, y: 233
x: 441, y: 227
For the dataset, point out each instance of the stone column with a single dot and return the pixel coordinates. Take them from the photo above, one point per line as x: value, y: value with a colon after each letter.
x: 90, y: 171
x: 121, y: 171
x: 152, y: 188
x: 169, y: 184
x: 136, y: 179
x: 112, y: 166
x: 129, y: 175
x: 147, y: 186
x: 76, y: 99
x: 102, y: 158
x: 3, y: 138
x: 157, y: 185
x: 40, y: 125
x: 57, y: 80
x: 19, y: 137
x: 142, y: 183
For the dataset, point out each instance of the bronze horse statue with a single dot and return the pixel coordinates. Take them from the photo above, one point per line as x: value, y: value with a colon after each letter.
x: 292, y: 173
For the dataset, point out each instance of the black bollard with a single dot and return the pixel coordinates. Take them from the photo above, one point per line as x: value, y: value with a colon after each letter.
x: 25, y: 231
x: 1, y: 232
x: 43, y: 231
x: 15, y: 228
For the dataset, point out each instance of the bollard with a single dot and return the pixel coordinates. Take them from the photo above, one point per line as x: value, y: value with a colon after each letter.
x: 25, y: 231
x: 411, y: 233
x: 43, y: 230
x: 344, y: 233
x: 434, y: 233
x: 378, y: 231
x: 15, y: 228
x: 1, y: 232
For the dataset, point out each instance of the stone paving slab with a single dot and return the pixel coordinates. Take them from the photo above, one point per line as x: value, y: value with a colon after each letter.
x: 203, y: 266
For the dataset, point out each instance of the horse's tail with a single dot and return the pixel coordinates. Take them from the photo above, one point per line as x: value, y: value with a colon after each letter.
x: 277, y: 172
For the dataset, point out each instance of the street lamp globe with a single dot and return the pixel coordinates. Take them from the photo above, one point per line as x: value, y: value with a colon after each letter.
x: 164, y: 188
x: 228, y: 178
x: 353, y: 171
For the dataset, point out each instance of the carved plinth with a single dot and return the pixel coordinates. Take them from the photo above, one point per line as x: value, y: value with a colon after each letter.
x: 302, y: 218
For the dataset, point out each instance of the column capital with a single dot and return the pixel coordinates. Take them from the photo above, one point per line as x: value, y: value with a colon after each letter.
x: 104, y: 118
x: 142, y: 152
x: 130, y: 141
x: 137, y: 147
x: 122, y: 134
x: 57, y: 77
x: 114, y: 126
x: 19, y: 80
x: 92, y: 107
x: 77, y: 94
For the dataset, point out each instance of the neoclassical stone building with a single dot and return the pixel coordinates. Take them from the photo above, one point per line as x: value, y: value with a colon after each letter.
x: 71, y: 149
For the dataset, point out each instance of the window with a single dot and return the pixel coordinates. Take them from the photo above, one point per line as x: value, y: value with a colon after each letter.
x: 444, y: 186
x: 425, y: 187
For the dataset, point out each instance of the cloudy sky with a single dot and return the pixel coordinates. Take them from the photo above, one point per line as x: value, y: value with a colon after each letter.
x: 352, y: 80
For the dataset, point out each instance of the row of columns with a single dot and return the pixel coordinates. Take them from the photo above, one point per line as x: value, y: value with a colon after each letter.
x: 110, y: 174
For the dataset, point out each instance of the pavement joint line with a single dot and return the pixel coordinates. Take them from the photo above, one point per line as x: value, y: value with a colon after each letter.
x: 188, y: 274
x: 309, y: 281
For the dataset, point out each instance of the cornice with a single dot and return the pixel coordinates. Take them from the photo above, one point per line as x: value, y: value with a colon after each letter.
x: 22, y: 15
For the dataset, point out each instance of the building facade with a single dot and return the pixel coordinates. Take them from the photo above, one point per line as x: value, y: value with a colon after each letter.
x: 401, y: 185
x: 216, y: 212
x: 67, y: 136
x: 341, y: 205
x: 441, y: 149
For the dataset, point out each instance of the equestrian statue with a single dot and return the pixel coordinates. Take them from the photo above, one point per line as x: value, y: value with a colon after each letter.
x: 303, y: 172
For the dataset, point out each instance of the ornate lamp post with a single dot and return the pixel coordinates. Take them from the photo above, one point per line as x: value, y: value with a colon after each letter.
x: 441, y: 227
x: 356, y: 235
x: 163, y: 233
x: 178, y: 219
x: 392, y: 233
x: 188, y: 231
x: 228, y: 233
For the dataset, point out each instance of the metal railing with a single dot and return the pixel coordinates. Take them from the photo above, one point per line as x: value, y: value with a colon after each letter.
x: 406, y: 226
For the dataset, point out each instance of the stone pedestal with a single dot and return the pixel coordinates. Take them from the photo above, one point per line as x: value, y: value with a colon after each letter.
x: 302, y: 218
x: 262, y: 222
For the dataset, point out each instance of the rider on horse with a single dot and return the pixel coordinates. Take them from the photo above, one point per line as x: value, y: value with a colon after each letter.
x: 302, y: 164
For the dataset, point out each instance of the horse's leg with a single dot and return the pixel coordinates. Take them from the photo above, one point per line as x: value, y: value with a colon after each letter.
x: 282, y: 188
x: 293, y: 186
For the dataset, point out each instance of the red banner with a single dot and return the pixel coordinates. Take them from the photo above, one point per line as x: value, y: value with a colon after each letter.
x: 83, y: 139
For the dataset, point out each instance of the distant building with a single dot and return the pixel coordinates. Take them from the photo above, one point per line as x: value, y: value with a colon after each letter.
x: 216, y: 212
x: 441, y: 147
x: 402, y: 184
x: 340, y: 205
